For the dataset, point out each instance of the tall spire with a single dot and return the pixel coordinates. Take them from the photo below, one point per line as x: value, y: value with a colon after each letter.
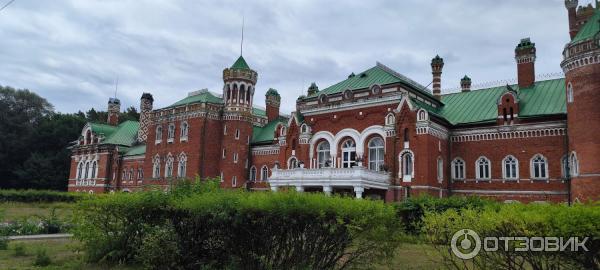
x: 242, y: 41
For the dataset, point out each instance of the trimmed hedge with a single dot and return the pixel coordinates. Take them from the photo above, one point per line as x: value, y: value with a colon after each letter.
x: 32, y: 195
x: 412, y: 210
x: 516, y: 220
x: 235, y: 229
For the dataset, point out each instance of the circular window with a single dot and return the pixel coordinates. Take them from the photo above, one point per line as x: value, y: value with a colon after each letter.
x: 375, y: 89
x: 322, y: 98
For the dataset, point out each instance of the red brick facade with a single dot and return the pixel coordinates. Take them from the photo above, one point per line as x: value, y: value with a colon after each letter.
x: 397, y: 129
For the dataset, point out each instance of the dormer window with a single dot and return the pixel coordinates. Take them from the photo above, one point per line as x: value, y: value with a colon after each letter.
x: 304, y: 128
x: 283, y: 131
x: 422, y: 115
x: 390, y: 119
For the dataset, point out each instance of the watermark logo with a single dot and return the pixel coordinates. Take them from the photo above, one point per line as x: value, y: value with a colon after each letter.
x: 466, y: 244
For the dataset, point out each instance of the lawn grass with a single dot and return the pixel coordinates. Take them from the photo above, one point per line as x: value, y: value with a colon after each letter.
x: 12, y: 211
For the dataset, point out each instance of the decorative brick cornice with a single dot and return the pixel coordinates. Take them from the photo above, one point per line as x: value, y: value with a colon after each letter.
x: 428, y: 127
x: 510, y: 132
x: 265, y: 150
x: 581, y: 60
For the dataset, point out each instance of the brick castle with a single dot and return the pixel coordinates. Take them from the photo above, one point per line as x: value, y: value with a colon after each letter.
x: 376, y: 134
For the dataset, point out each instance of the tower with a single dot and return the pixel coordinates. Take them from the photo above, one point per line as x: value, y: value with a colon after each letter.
x: 525, y: 56
x: 437, y: 64
x: 313, y: 89
x: 273, y: 101
x: 465, y: 84
x: 114, y: 107
x: 238, y: 92
x: 571, y: 6
x: 581, y: 65
x: 145, y: 115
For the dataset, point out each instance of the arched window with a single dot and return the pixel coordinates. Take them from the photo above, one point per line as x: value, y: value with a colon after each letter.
x: 348, y: 154
x: 570, y: 93
x: 440, y: 169
x: 182, y: 165
x: 248, y: 94
x: 237, y: 134
x: 539, y: 167
x: 234, y: 180
x: 390, y: 119
x: 304, y: 128
x: 574, y: 165
x: 422, y: 116
x: 376, y: 153
x: 242, y: 93
x: 253, y: 174
x: 94, y: 167
x: 293, y: 163
x: 158, y: 133
x: 323, y: 155
x: 458, y: 169
x: 264, y: 173
x: 131, y: 175
x: 87, y: 170
x: 510, y: 168
x: 140, y: 175
x: 156, y: 167
x: 80, y: 171
x: 184, y: 130
x: 483, y: 167
x: 283, y: 130
x: 171, y: 132
x: 407, y: 165
x: 564, y: 166
x: 169, y: 166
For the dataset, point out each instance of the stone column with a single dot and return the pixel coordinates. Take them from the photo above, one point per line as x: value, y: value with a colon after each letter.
x: 359, y: 191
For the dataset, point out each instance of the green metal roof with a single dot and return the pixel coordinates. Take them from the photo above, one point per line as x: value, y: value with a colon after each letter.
x: 480, y: 106
x: 125, y: 134
x: 105, y: 129
x: 259, y: 112
x: 266, y: 133
x: 136, y: 150
x: 203, y: 97
x: 590, y: 29
x: 240, y: 63
x: 375, y: 75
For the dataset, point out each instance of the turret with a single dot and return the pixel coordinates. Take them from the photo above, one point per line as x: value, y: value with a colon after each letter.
x: 272, y: 100
x: 465, y: 84
x: 313, y: 89
x: 145, y: 114
x: 114, y: 107
x: 525, y: 54
x: 437, y: 64
x: 238, y: 91
x: 571, y: 6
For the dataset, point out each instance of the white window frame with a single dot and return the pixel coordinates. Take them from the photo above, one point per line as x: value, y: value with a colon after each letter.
x: 323, y: 155
x: 235, y: 158
x: 169, y: 166
x: 183, y: 136
x: 348, y: 148
x: 171, y: 133
x: 570, y: 97
x: 237, y: 134
x: 158, y: 135
x: 478, y: 162
x: 544, y: 166
x: 224, y: 129
x: 234, y: 181
x: 304, y: 128
x: 407, y: 165
x: 156, y: 167
x: 182, y: 165
x: 505, y: 172
x: 224, y: 154
x: 292, y: 163
x: 574, y: 164
x: 376, y: 154
x: 390, y: 119
x: 264, y: 173
x: 440, y: 169
x: 458, y: 169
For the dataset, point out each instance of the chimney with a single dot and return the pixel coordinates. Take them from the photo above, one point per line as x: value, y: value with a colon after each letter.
x: 437, y: 64
x: 114, y: 107
x: 465, y: 84
x: 145, y: 116
x: 525, y: 57
x: 571, y: 6
x: 272, y: 100
x: 313, y: 89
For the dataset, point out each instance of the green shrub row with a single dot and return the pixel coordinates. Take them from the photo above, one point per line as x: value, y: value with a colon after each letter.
x: 516, y: 220
x: 31, y: 195
x: 412, y: 210
x: 201, y: 226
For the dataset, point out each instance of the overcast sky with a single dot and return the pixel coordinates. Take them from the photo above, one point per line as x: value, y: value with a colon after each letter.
x: 71, y: 52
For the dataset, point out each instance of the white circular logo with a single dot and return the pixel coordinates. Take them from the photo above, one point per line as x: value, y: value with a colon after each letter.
x: 465, y: 244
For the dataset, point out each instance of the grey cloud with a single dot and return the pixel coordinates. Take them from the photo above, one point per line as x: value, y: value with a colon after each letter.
x: 71, y: 51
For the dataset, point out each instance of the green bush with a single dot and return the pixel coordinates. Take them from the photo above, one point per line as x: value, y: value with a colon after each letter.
x: 19, y: 250
x: 519, y: 221
x: 412, y: 210
x: 31, y: 195
x: 251, y: 230
x: 41, y: 258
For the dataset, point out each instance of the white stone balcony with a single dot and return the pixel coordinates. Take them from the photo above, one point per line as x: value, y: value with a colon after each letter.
x: 359, y: 178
